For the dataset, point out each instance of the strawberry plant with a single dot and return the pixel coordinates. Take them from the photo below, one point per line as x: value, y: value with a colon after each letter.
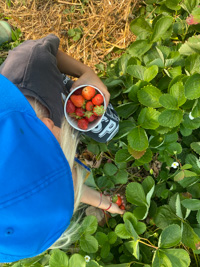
x: 153, y: 161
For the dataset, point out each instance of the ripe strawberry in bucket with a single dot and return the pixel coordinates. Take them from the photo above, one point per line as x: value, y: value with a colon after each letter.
x: 89, y: 107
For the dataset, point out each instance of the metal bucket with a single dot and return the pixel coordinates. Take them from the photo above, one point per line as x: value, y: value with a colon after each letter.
x: 5, y: 32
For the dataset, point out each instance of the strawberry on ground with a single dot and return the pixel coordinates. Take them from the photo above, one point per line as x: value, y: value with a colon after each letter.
x: 89, y: 106
x: 88, y: 92
x: 98, y: 110
x: 77, y: 100
x: 70, y: 108
x: 97, y: 100
x: 80, y: 112
x: 83, y: 124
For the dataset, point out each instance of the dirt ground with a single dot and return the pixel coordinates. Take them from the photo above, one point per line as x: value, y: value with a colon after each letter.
x: 97, y: 27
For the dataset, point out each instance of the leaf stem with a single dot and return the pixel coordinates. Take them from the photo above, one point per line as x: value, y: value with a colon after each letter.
x: 148, y: 245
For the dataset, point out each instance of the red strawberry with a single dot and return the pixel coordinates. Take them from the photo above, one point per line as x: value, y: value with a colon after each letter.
x: 80, y: 112
x: 98, y: 110
x: 77, y: 100
x: 70, y: 108
x: 122, y: 207
x: 89, y: 106
x: 83, y: 124
x: 97, y: 100
x: 91, y: 117
x: 117, y: 199
x: 88, y: 92
x: 78, y: 92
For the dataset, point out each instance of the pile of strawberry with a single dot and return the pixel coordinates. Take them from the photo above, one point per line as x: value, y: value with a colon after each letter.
x: 85, y: 105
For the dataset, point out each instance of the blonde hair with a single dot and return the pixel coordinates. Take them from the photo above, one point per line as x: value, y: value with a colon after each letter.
x: 68, y: 142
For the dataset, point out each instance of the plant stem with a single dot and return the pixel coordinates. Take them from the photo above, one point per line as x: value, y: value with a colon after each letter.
x: 148, y: 244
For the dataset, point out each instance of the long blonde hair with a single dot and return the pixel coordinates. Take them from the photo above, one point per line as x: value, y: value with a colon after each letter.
x: 68, y: 142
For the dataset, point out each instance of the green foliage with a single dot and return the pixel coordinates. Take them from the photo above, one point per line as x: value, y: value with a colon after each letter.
x: 154, y: 159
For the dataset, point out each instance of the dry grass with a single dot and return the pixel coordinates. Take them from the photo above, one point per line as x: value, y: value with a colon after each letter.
x: 104, y: 23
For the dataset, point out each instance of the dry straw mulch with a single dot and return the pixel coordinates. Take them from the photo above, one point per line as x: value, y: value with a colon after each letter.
x: 104, y: 24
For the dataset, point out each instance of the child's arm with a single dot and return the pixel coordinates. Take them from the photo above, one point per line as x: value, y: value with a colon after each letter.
x: 86, y: 75
x: 92, y: 197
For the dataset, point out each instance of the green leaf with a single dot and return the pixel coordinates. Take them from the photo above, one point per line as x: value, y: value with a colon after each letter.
x: 191, y: 46
x: 170, y: 236
x: 105, y: 250
x: 161, y: 27
x: 141, y: 212
x: 191, y: 124
x: 122, y: 156
x: 121, y: 177
x: 173, y: 4
x: 58, y: 258
x: 102, y: 238
x: 179, y: 176
x: 170, y: 118
x: 121, y: 231
x: 189, y: 5
x: 198, y: 216
x: 192, y: 63
x: 150, y: 73
x: 130, y: 228
x: 178, y: 207
x: 191, y: 204
x: 192, y: 87
x: 136, y: 71
x: 77, y: 260
x: 177, y: 91
x: 137, y: 139
x: 149, y: 96
x: 125, y: 127
x: 89, y: 244
x: 92, y: 263
x: 196, y: 109
x: 168, y: 101
x: 125, y: 110
x: 196, y: 147
x: 140, y: 25
x: 148, y: 118
x: 189, y: 237
x: 135, y: 194
x: 133, y: 248
x: 112, y: 237
x: 89, y: 225
x: 139, y: 48
x: 165, y: 217
x: 171, y: 258
x: 109, y: 169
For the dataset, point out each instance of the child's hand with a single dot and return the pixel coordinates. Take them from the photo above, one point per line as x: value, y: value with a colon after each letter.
x: 91, y: 78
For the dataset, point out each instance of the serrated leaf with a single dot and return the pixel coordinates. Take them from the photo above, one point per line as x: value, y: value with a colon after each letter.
x: 171, y: 258
x: 191, y: 124
x: 121, y: 231
x: 196, y: 109
x: 148, y: 118
x: 110, y: 169
x: 173, y: 4
x: 149, y: 96
x: 165, y: 217
x: 125, y: 110
x: 170, y: 118
x: 58, y: 258
x: 141, y: 212
x: 136, y: 71
x: 112, y: 237
x: 198, y: 216
x: 102, y: 238
x: 179, y: 176
x: 191, y: 46
x: 136, y: 154
x: 161, y: 27
x: 192, y: 87
x: 105, y: 250
x: 77, y: 260
x: 170, y: 236
x: 178, y: 207
x: 122, y: 156
x: 139, y: 48
x: 133, y: 248
x: 89, y: 244
x: 189, y: 5
x: 189, y: 237
x: 89, y: 225
x: 135, y: 194
x: 130, y: 228
x: 196, y: 147
x: 191, y: 204
x: 150, y: 73
x: 146, y: 158
x: 121, y: 177
x: 137, y: 139
x: 177, y: 91
x: 168, y: 102
x: 140, y: 25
